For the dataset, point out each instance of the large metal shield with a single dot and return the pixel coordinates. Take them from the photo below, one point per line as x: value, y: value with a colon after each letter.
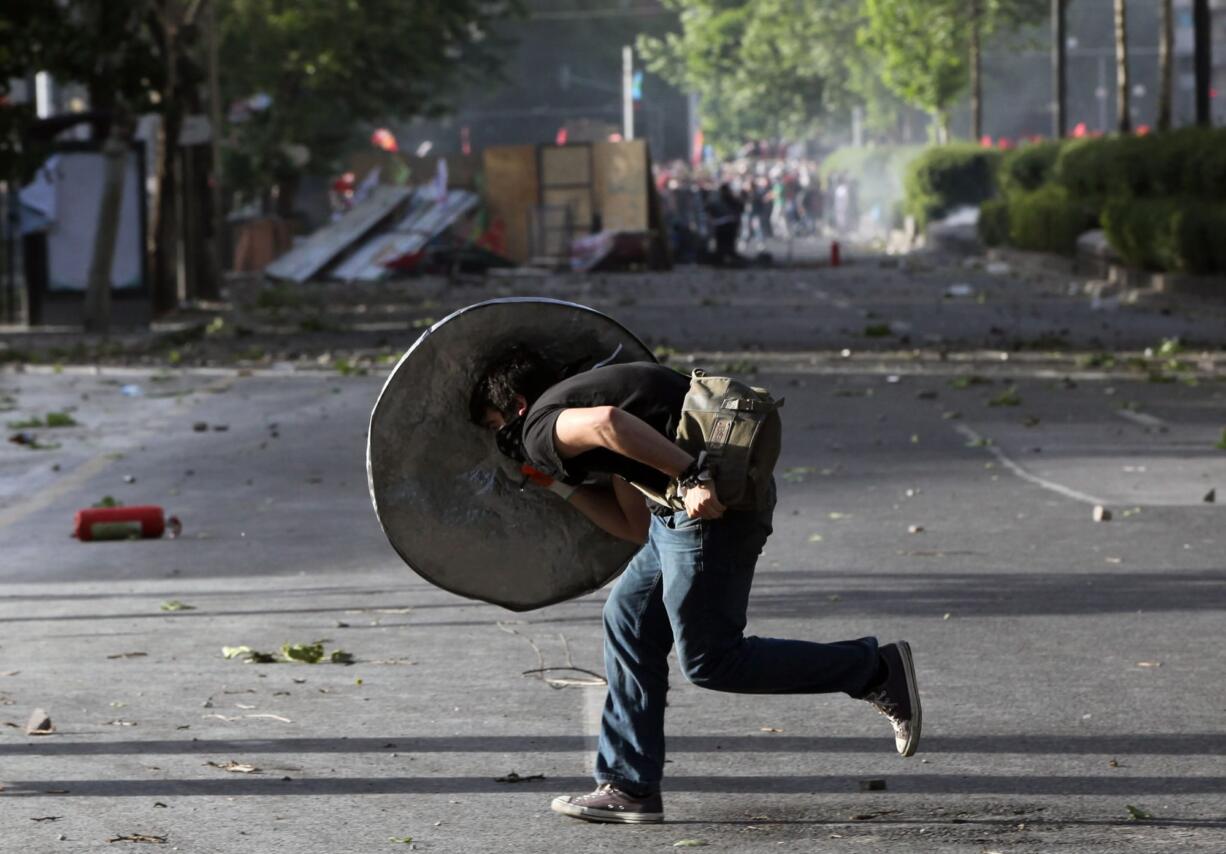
x: 450, y: 503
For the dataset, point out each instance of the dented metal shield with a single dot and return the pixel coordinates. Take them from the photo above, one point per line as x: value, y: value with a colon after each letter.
x: 450, y: 503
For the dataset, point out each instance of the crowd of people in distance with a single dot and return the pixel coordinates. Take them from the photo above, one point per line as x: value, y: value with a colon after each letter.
x: 724, y: 214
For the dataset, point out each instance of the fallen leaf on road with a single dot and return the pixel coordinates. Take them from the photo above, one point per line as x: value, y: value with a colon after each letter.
x: 406, y: 840
x: 515, y: 778
x: 339, y: 656
x: 46, y: 818
x: 139, y: 837
x: 689, y: 843
x: 1137, y: 814
x: 128, y: 655
x: 271, y: 716
x: 308, y: 653
x: 1113, y: 764
x: 176, y: 605
x: 235, y: 767
x: 769, y: 729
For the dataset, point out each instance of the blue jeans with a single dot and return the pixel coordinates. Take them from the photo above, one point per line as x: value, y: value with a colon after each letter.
x: 689, y: 585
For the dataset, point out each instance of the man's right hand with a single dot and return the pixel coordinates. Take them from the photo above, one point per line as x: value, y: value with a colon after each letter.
x: 702, y: 503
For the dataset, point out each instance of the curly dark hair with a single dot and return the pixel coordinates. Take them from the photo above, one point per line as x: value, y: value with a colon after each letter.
x: 518, y: 370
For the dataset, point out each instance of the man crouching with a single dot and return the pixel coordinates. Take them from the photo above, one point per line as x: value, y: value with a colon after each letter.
x: 689, y: 583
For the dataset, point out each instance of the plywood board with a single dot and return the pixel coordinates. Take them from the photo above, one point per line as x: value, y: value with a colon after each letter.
x: 621, y: 182
x: 321, y: 248
x: 566, y: 164
x: 511, y: 194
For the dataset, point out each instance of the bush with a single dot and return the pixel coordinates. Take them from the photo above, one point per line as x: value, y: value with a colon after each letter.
x: 1172, y: 233
x: 1189, y: 161
x: 994, y: 222
x: 1028, y: 167
x: 946, y: 177
x: 1048, y: 220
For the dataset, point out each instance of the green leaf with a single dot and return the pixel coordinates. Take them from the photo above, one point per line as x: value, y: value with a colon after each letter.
x: 235, y: 651
x: 689, y: 843
x: 1137, y: 814
x: 1008, y: 397
x: 308, y: 653
x: 339, y: 656
x: 108, y: 501
x: 176, y: 605
x: 60, y: 419
x: 404, y: 840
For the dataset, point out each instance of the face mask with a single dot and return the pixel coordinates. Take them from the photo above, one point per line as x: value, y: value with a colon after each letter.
x: 510, y: 439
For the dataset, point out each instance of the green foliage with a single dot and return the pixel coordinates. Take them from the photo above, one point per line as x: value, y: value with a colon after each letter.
x: 1048, y: 220
x: 1189, y: 161
x: 762, y: 68
x: 945, y: 177
x: 922, y: 48
x: 330, y: 67
x: 1175, y: 233
x: 994, y: 222
x: 1029, y: 166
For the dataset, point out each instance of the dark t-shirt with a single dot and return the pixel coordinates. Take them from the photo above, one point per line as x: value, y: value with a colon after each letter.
x: 652, y: 392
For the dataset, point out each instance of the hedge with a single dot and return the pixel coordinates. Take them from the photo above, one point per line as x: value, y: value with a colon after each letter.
x: 1049, y: 220
x: 1188, y: 161
x: 1178, y: 233
x: 946, y: 177
x: 994, y: 222
x: 1029, y: 166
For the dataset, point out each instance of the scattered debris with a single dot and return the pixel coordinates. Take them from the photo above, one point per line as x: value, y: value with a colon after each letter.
x: 39, y: 723
x: 270, y: 716
x: 1101, y: 513
x: 516, y: 778
x: 29, y: 440
x: 107, y: 501
x: 959, y: 290
x: 689, y: 843
x: 1137, y: 814
x: 201, y: 426
x: 308, y: 653
x: 915, y: 529
x: 1210, y: 496
x: 120, y: 722
x: 127, y: 655
x: 926, y: 394
x: 769, y: 729
x: 139, y: 837
x: 1112, y: 763
x: 248, y: 655
x: 875, y: 784
x: 968, y: 381
x: 877, y: 330
x: 1008, y: 397
x: 46, y: 818
x: 132, y: 390
x: 406, y: 840
x: 1149, y: 664
x: 798, y: 474
x: 176, y: 605
x: 235, y: 767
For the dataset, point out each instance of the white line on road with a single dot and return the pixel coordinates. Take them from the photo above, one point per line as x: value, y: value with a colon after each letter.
x: 1008, y: 463
x: 1151, y: 422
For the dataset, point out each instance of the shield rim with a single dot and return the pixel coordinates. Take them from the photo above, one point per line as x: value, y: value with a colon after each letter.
x: 370, y: 483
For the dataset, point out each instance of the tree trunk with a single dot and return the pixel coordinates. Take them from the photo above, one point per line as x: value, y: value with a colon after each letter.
x: 98, y: 294
x: 976, y: 74
x: 1202, y: 60
x: 1166, y: 61
x: 1123, y: 121
x: 1059, y: 49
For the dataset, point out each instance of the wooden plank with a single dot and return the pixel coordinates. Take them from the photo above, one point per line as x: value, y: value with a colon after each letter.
x: 621, y: 181
x: 321, y: 248
x: 566, y: 164
x: 511, y: 194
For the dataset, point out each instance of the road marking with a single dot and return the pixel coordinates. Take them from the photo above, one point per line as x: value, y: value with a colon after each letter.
x: 1008, y: 463
x: 70, y: 482
x: 1151, y: 422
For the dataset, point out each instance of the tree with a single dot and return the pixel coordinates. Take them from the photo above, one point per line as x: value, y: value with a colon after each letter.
x: 1122, y: 94
x: 319, y: 73
x: 921, y: 46
x: 1166, y: 62
x: 762, y: 68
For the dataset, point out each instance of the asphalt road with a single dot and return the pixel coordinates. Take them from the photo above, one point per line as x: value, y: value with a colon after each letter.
x: 1072, y: 671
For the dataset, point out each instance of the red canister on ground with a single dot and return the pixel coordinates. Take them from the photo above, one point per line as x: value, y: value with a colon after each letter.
x: 835, y: 254
x: 119, y: 523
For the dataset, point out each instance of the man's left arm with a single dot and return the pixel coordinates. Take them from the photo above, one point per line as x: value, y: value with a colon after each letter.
x: 584, y: 429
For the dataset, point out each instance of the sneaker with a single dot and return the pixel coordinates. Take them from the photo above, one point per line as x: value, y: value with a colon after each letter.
x: 611, y: 804
x: 898, y: 697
